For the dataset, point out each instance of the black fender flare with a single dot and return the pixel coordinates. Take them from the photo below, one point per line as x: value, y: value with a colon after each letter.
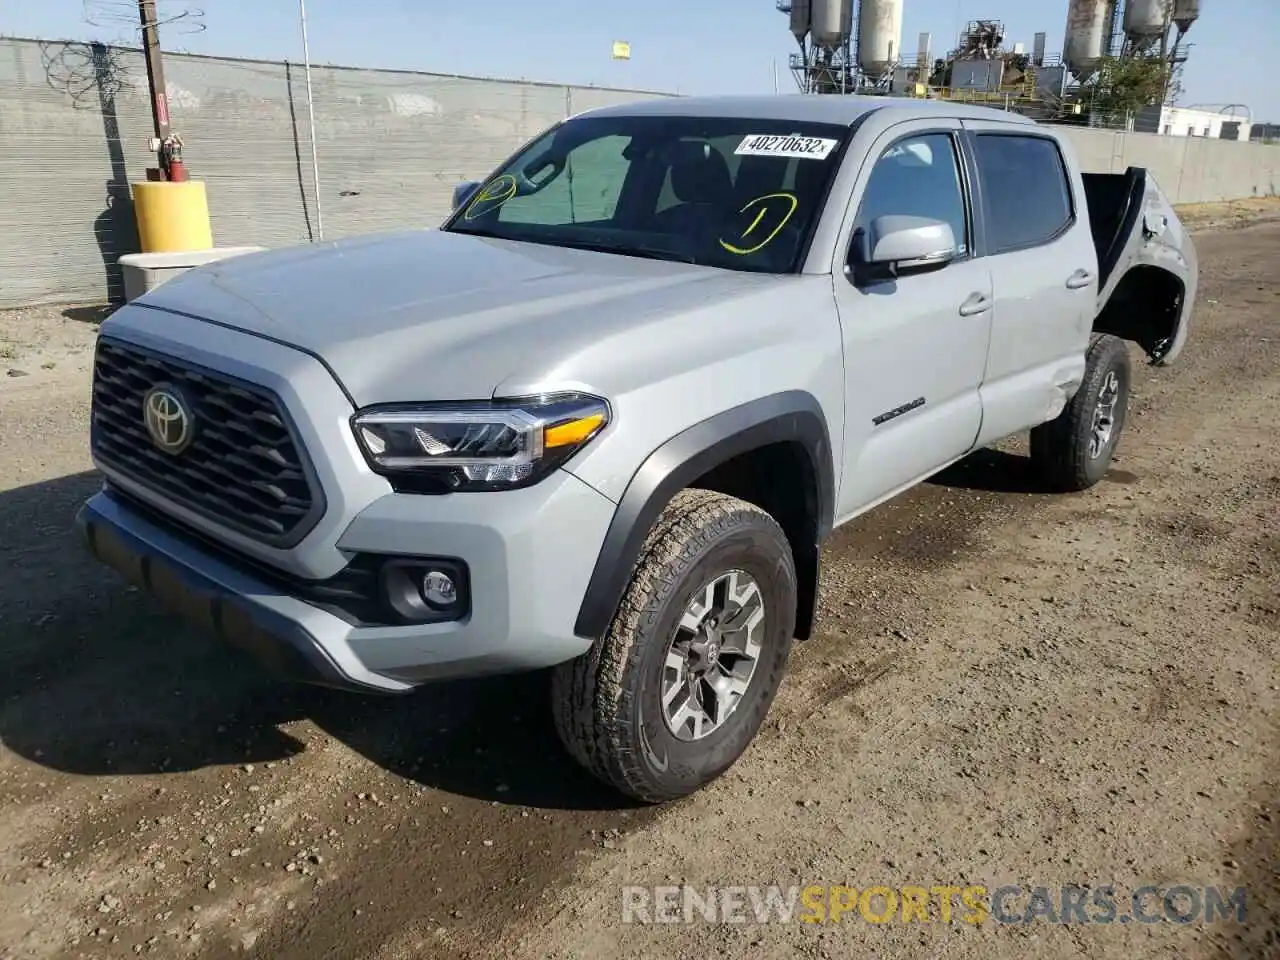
x: 793, y: 416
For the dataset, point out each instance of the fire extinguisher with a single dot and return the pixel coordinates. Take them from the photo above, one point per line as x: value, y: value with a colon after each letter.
x: 171, y: 158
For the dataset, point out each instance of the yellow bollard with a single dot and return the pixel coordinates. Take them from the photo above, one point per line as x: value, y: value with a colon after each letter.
x: 172, y: 217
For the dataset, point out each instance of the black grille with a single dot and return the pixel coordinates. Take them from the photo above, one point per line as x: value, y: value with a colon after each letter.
x: 244, y: 468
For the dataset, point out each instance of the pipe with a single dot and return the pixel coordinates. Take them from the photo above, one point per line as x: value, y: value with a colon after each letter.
x: 311, y: 114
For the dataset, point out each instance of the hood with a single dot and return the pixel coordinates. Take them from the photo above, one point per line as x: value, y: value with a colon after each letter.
x: 429, y: 315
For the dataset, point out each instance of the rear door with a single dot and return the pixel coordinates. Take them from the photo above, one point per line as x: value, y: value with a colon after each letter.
x: 1037, y: 242
x: 914, y: 347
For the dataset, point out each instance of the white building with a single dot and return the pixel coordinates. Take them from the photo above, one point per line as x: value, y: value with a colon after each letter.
x: 1185, y: 122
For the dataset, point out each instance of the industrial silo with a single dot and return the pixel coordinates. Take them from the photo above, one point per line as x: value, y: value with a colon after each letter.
x: 1087, y: 23
x: 1146, y: 20
x: 829, y: 23
x: 879, y: 36
x: 799, y: 18
x: 1185, y: 13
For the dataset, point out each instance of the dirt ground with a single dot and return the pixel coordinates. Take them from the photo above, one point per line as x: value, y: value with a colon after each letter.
x: 1007, y: 687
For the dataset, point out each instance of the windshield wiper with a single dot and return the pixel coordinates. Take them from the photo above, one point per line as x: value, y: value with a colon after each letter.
x: 651, y: 253
x: 478, y: 232
x: 629, y: 250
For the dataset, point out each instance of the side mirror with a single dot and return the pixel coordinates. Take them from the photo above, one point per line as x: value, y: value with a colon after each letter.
x: 897, y: 245
x: 463, y: 191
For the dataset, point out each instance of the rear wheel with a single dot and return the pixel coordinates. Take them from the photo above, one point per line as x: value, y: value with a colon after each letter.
x: 1073, y: 451
x: 677, y: 688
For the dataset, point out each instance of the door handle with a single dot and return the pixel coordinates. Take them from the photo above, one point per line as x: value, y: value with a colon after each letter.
x: 976, y: 304
x: 1081, y: 278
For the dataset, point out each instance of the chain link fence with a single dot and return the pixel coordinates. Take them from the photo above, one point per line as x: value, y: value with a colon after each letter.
x: 75, y: 120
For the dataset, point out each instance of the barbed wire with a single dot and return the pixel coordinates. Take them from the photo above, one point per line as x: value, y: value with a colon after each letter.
x: 88, y: 73
x: 176, y: 15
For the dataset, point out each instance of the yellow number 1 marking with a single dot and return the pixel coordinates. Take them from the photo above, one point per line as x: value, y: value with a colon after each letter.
x: 791, y: 200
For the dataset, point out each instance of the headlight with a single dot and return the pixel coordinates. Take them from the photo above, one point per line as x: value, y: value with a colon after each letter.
x: 490, y: 445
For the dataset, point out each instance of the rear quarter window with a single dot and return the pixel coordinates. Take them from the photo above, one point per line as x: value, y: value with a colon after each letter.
x: 1025, y: 190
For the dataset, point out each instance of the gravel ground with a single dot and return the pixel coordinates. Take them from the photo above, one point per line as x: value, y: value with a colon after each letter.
x: 1006, y: 687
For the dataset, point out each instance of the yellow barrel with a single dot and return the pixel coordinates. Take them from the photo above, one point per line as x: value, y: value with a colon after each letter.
x: 172, y: 217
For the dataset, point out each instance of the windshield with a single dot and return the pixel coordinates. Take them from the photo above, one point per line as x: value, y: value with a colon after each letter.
x: 726, y: 192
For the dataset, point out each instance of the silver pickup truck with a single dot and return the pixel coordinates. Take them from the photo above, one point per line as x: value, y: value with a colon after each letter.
x: 603, y: 418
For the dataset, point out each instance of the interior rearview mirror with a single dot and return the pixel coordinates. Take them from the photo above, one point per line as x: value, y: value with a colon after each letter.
x: 892, y: 246
x: 463, y: 191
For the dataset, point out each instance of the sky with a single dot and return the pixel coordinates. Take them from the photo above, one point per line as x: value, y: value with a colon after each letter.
x: 685, y: 46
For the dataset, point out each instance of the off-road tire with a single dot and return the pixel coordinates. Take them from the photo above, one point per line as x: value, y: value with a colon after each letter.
x: 1060, y: 450
x: 607, y: 703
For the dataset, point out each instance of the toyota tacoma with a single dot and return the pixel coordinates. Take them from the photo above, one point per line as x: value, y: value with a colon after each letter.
x: 602, y: 418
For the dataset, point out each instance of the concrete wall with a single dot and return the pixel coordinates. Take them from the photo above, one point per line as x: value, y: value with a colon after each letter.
x: 1188, y: 169
x: 74, y: 124
x: 75, y: 120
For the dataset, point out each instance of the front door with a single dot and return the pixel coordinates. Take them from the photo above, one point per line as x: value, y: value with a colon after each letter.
x: 914, y: 347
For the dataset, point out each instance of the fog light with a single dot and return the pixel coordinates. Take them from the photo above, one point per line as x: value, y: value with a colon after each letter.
x: 426, y: 589
x: 438, y: 589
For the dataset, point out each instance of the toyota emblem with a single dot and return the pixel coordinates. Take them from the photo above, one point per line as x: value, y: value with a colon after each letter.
x: 168, y: 419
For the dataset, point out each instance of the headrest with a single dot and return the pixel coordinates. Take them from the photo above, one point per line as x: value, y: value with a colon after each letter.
x: 699, y: 174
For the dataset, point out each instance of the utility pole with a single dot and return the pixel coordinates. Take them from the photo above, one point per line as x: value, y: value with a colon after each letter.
x: 167, y: 146
x: 155, y: 68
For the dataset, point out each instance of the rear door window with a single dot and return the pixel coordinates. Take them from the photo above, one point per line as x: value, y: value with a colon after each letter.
x: 1025, y: 190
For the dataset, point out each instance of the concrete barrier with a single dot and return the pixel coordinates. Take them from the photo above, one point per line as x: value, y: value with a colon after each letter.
x: 146, y: 271
x: 1188, y: 169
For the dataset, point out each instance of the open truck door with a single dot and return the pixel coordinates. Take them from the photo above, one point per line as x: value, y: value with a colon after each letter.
x: 1147, y: 267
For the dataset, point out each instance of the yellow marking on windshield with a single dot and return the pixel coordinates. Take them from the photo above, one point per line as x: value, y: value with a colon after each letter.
x: 494, y: 194
x: 756, y: 222
x: 791, y: 202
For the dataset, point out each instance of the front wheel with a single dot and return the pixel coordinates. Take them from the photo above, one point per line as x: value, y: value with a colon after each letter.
x: 679, y: 685
x: 1073, y: 451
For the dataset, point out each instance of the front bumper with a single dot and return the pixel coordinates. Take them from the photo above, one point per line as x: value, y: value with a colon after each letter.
x: 529, y: 554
